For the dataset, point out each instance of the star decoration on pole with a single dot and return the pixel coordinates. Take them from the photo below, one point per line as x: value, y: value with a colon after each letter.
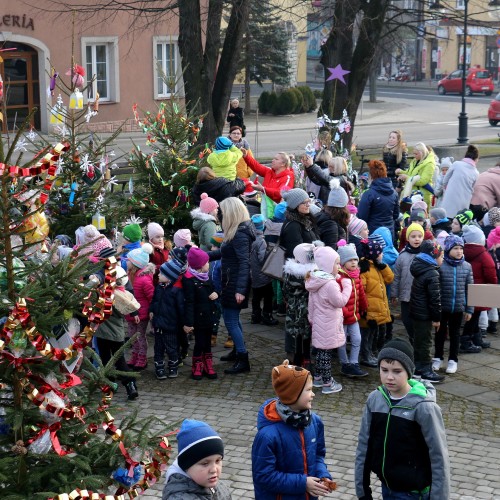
x: 337, y: 73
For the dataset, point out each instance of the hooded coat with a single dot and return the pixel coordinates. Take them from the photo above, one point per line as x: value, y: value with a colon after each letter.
x: 224, y: 162
x: 329, y: 231
x: 425, y: 298
x: 283, y: 456
x: 403, y: 443
x: 459, y: 184
x: 144, y: 290
x: 206, y: 226
x: 487, y: 189
x: 425, y: 169
x: 403, y: 279
x: 219, y: 189
x: 297, y: 228
x: 389, y: 254
x: 357, y: 304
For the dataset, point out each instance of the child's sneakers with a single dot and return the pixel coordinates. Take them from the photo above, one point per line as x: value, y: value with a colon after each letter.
x: 160, y: 372
x: 352, y: 370
x: 436, y: 364
x: 317, y: 382
x: 331, y: 387
x: 452, y: 366
x: 173, y: 370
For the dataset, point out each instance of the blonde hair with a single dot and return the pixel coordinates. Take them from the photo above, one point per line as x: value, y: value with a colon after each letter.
x: 422, y: 148
x: 400, y: 147
x: 325, y: 155
x: 337, y: 165
x: 285, y: 158
x: 234, y: 212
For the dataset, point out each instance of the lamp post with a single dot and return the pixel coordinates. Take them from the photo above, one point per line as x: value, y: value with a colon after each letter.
x: 462, y: 117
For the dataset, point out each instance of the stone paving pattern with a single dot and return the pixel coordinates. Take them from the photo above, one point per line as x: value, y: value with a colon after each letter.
x: 470, y: 402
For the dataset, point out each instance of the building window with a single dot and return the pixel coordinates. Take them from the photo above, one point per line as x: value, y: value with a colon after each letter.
x: 166, y: 64
x: 461, y: 4
x: 100, y: 59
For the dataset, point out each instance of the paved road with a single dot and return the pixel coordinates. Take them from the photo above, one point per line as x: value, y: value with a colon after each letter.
x: 469, y: 400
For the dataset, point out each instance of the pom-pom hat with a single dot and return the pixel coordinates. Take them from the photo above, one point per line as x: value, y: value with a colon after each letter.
x: 400, y: 350
x: 370, y: 249
x: 139, y: 257
x: 432, y: 248
x: 464, y: 217
x: 197, y: 440
x: 179, y: 254
x: 347, y: 253
x: 494, y: 237
x: 337, y: 196
x: 356, y: 226
x: 197, y: 258
x: 182, y: 237
x: 155, y: 230
x: 494, y: 215
x: 132, y: 232
x: 289, y: 382
x: 304, y: 253
x: 207, y: 204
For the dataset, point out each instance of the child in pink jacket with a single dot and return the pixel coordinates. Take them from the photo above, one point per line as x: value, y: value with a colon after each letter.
x: 326, y: 299
x: 140, y: 274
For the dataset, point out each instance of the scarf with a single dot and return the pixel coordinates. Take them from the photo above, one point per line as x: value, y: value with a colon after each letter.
x: 299, y: 420
x: 453, y: 262
x: 408, y: 248
x: 352, y: 274
x: 200, y: 276
x: 305, y: 220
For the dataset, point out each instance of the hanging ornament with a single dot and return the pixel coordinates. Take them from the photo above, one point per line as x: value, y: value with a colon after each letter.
x: 77, y: 72
x: 99, y: 221
x: 76, y: 100
x: 53, y: 79
x: 74, y: 187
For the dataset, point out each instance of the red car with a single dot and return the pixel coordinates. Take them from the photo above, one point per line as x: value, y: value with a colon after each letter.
x: 478, y: 81
x: 494, y: 111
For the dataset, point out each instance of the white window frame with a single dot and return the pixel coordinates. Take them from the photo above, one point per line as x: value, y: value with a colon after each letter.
x: 159, y: 91
x: 460, y: 5
x: 112, y: 66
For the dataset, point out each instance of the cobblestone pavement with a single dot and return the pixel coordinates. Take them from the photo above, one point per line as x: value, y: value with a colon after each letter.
x: 470, y: 402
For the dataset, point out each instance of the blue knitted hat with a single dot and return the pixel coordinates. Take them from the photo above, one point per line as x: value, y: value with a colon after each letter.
x: 258, y: 222
x: 139, y: 257
x: 279, y: 211
x: 223, y: 143
x: 452, y: 241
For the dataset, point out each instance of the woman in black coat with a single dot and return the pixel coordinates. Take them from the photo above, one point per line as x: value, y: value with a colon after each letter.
x: 218, y: 188
x: 239, y: 234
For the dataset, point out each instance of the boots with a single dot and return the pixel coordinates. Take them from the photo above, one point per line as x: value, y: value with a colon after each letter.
x: 365, y: 355
x: 231, y: 356
x: 197, y: 368
x: 160, y: 372
x: 131, y: 389
x: 142, y: 362
x: 208, y: 366
x: 173, y: 368
x: 427, y: 373
x: 477, y: 340
x: 256, y: 317
x: 267, y: 319
x: 492, y: 327
x: 241, y: 365
x: 133, y: 360
x: 467, y: 347
x: 228, y: 344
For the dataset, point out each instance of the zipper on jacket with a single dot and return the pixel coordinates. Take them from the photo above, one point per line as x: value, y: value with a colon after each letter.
x: 454, y: 296
x: 304, y: 455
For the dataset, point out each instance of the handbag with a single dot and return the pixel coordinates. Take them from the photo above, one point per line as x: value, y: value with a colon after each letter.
x: 274, y: 261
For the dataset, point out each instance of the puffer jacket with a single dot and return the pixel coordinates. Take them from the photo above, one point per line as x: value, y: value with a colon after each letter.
x: 403, y: 279
x: 391, y: 162
x: 235, y: 264
x: 294, y: 231
x: 144, y: 290
x: 326, y: 300
x: 219, y: 189
x: 257, y: 257
x: 357, y: 304
x: 167, y: 307
x: 454, y: 282
x: 425, y: 169
x: 206, y: 226
x: 322, y: 177
x: 390, y: 254
x: 425, y: 303
x: 329, y: 231
x: 487, y: 189
x: 198, y: 308
x: 483, y: 266
x: 283, y: 456
x: 223, y: 163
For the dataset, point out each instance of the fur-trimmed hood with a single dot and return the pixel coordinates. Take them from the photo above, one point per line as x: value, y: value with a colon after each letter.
x: 299, y: 270
x: 150, y: 268
x: 198, y: 214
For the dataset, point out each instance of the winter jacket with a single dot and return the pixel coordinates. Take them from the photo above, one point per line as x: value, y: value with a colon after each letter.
x: 206, y: 226
x: 329, y: 231
x: 237, y: 119
x: 391, y: 162
x: 403, y: 279
x: 235, y: 264
x: 439, y: 189
x: 158, y: 257
x: 179, y: 486
x: 215, y: 273
x: 459, y: 184
x: 390, y: 254
x: 113, y: 328
x: 283, y: 456
x: 243, y: 171
x: 126, y: 249
x: 374, y: 279
x: 441, y: 225
x: 454, y: 282
x: 404, y: 443
x: 273, y: 183
x: 272, y: 230
x: 487, y: 189
x: 144, y: 290
x: 296, y: 229
x: 356, y: 305
x: 326, y: 300
x: 483, y: 266
x: 425, y: 169
x: 425, y: 298
x: 219, y: 189
x: 320, y: 192
x: 167, y: 307
x: 224, y: 162
x: 199, y: 310
x: 379, y: 205
x: 322, y: 177
x: 257, y: 258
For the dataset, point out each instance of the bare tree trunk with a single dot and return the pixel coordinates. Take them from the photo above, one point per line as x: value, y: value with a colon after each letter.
x: 373, y: 83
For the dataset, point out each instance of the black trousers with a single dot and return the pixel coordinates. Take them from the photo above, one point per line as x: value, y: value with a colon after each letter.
x: 107, y: 349
x: 450, y: 322
x: 202, y: 340
x: 266, y: 293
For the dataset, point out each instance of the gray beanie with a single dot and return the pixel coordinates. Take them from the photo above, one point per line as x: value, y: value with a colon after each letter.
x: 337, y: 197
x: 400, y: 350
x: 346, y: 253
x: 438, y: 213
x: 473, y: 234
x: 294, y: 197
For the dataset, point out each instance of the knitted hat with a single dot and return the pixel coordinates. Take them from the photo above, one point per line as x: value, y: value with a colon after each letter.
x: 179, y: 254
x: 417, y: 215
x: 314, y: 209
x: 464, y: 217
x: 453, y: 241
x: 441, y: 237
x: 431, y: 248
x: 338, y: 196
x: 346, y: 253
x: 279, y: 211
x: 399, y: 349
x: 197, y: 440
x: 494, y: 237
x: 155, y: 231
x: 494, y: 215
x: 438, y: 213
x: 378, y: 238
x: 356, y: 226
x: 446, y: 162
x: 223, y: 143
x: 473, y: 234
x: 258, y: 222
x: 197, y: 258
x: 416, y: 196
x: 132, y: 232
x: 172, y: 269
x: 419, y: 205
x: 121, y: 276
x: 325, y: 258
x: 370, y: 249
x: 102, y: 247
x: 289, y: 382
x: 139, y: 257
x: 353, y: 209
x: 304, y: 253
x: 182, y: 237
x: 207, y: 204
x: 414, y: 227
x: 294, y: 197
x: 217, y: 239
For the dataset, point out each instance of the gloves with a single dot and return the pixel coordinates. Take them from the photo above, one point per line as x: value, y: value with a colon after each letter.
x: 380, y: 265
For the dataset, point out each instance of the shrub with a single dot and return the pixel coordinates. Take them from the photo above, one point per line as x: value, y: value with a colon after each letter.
x: 300, y: 100
x: 318, y: 94
x: 309, y: 99
x: 287, y: 102
x: 272, y: 102
x: 263, y: 102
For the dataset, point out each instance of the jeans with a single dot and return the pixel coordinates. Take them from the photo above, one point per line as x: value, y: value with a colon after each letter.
x: 355, y: 336
x: 388, y: 494
x: 234, y: 328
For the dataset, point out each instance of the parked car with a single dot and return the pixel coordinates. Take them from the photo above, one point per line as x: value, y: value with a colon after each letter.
x: 494, y: 111
x: 478, y: 80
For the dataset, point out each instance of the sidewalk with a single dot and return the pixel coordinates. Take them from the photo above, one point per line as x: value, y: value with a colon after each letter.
x: 469, y: 400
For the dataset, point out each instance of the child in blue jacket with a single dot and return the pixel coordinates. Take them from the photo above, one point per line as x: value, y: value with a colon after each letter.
x: 288, y: 453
